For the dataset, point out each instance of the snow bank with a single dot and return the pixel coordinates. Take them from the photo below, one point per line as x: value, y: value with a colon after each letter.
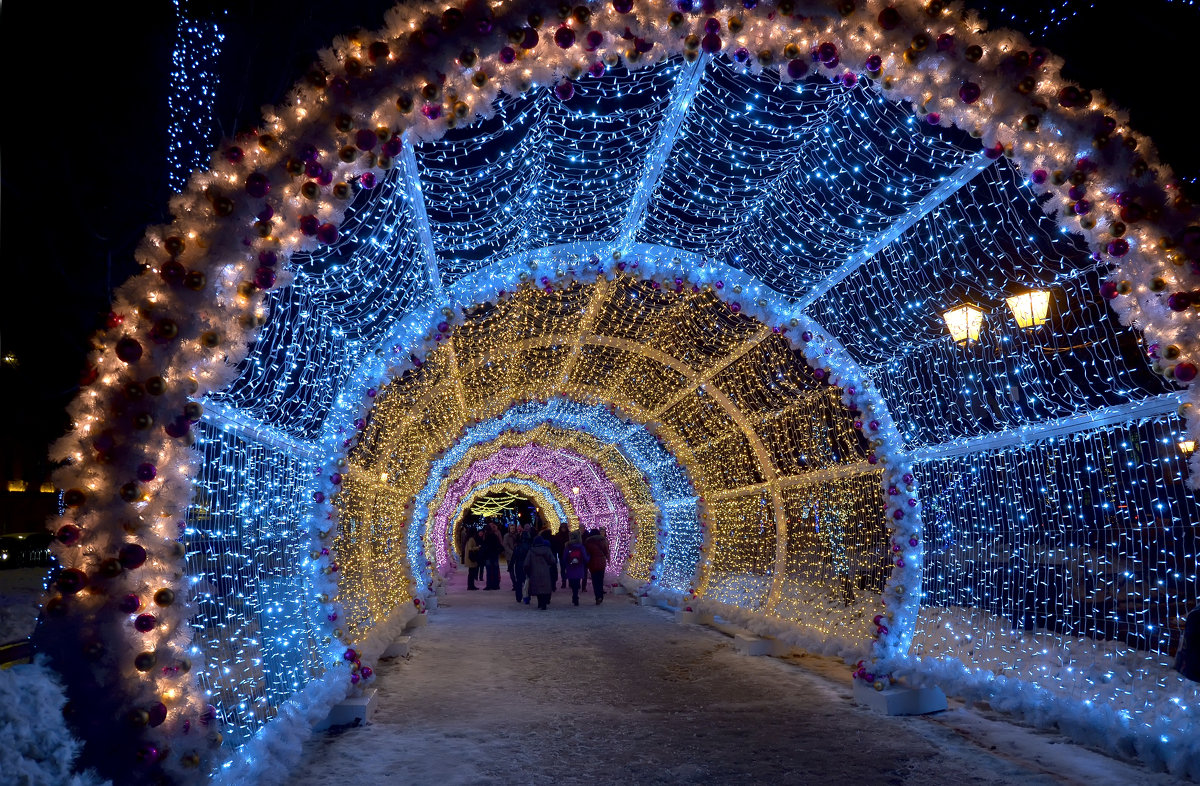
x: 38, y: 748
x: 20, y: 598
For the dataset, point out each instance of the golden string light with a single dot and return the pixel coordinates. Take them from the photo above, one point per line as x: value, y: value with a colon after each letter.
x: 741, y: 411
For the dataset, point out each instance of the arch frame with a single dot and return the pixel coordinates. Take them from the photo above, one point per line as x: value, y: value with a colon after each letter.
x: 643, y: 520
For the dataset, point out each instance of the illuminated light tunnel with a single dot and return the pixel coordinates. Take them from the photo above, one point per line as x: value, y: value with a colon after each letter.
x: 845, y: 300
x: 509, y: 491
x: 593, y: 499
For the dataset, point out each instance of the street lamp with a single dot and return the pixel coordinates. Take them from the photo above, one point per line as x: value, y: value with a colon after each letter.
x: 1030, y: 309
x: 964, y: 322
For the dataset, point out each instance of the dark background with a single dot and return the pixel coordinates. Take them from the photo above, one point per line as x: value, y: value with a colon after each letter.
x: 83, y: 153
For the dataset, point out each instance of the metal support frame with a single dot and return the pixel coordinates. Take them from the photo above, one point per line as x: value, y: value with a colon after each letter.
x: 682, y: 97
x: 1152, y: 407
x: 926, y: 205
x: 416, y: 198
x: 234, y: 421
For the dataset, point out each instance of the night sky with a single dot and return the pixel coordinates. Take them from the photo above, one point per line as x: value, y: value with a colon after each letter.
x: 84, y: 147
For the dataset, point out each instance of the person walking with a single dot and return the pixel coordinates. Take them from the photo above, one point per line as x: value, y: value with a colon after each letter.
x: 575, y: 564
x: 516, y: 565
x: 493, y: 547
x: 598, y: 554
x: 470, y: 558
x: 539, y: 567
x: 559, y: 542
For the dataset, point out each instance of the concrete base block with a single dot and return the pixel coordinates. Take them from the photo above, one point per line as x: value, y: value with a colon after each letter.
x: 418, y: 621
x: 645, y: 600
x: 357, y: 710
x: 780, y: 649
x: 748, y: 644
x: 398, y: 648
x: 899, y: 700
x: 684, y: 617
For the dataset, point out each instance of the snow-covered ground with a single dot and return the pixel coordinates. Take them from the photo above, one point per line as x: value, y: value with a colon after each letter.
x: 494, y: 691
x: 20, y: 595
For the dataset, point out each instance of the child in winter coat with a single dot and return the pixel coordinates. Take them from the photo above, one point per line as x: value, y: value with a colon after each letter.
x: 575, y: 564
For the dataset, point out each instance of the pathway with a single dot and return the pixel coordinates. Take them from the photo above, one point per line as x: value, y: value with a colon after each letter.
x: 496, y: 692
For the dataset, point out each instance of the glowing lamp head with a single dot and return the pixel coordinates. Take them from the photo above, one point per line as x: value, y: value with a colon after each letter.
x: 1030, y: 309
x: 964, y: 323
x: 1187, y: 447
x: 575, y: 490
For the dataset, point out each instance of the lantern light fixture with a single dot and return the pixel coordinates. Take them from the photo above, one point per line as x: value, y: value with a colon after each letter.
x: 1030, y: 308
x: 964, y: 322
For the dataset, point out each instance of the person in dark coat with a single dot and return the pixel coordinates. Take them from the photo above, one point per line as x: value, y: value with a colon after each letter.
x: 493, y: 547
x: 539, y: 568
x: 1187, y: 658
x: 471, y: 558
x: 558, y: 542
x: 516, y: 565
x: 575, y: 564
x: 598, y: 554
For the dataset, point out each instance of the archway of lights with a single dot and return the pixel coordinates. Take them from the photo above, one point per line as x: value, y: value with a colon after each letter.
x: 590, y: 498
x: 539, y: 496
x: 647, y: 193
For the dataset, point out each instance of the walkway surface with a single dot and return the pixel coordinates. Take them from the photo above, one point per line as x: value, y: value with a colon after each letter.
x: 497, y: 692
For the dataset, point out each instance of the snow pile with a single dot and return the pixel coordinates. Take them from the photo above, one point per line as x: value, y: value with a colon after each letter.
x: 1101, y: 693
x: 38, y: 748
x: 20, y: 598
x: 1136, y: 682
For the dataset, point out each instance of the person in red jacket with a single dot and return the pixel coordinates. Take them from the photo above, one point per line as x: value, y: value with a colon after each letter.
x: 597, y: 549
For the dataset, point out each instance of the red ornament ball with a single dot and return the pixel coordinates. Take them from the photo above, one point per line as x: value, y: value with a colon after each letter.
x: 365, y: 139
x: 68, y: 534
x: 71, y: 581
x: 145, y: 623
x: 257, y: 185
x: 264, y: 278
x: 1185, y: 372
x: 132, y: 556
x: 158, y: 714
x: 889, y: 18
x: 129, y: 350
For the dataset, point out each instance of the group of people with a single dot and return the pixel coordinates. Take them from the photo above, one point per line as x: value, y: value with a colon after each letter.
x: 538, y: 561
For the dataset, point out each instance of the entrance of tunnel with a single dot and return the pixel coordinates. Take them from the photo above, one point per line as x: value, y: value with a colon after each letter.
x: 770, y: 477
x: 722, y: 329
